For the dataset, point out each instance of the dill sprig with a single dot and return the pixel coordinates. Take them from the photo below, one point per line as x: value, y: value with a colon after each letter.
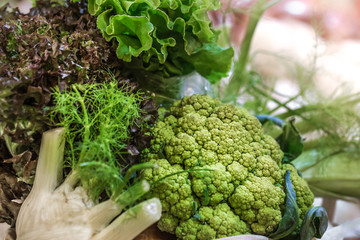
x: 97, y: 118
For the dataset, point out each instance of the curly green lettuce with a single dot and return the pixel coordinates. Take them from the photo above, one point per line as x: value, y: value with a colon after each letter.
x: 170, y: 37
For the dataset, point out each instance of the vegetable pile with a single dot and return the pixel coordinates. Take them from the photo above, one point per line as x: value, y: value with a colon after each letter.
x: 203, y: 170
x: 96, y: 120
x: 53, y: 47
x: 219, y: 175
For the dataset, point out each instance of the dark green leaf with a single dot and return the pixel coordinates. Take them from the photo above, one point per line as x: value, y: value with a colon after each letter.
x: 207, y: 198
x: 314, y: 224
x: 290, y: 220
x: 195, y: 211
x: 291, y: 142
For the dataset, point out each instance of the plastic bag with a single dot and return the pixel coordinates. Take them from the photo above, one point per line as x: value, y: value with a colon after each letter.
x: 165, y: 91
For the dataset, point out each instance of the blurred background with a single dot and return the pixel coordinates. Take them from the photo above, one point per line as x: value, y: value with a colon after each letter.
x: 320, y: 36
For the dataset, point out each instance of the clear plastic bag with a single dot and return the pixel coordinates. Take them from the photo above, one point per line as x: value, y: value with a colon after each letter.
x: 165, y: 91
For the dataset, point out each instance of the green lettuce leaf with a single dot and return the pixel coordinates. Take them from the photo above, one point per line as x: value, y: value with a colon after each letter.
x: 169, y: 37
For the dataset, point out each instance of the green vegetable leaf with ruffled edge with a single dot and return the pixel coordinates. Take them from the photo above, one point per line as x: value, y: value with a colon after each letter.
x: 169, y: 37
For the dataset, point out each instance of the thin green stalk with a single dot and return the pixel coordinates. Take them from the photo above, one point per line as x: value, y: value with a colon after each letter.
x: 298, y: 111
x: 346, y: 100
x: 285, y: 103
x: 132, y: 194
x: 86, y: 125
x: 274, y: 100
x: 180, y: 172
x: 237, y: 78
x: 130, y: 172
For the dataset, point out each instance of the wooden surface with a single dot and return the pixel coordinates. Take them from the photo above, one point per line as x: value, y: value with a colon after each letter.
x: 153, y: 233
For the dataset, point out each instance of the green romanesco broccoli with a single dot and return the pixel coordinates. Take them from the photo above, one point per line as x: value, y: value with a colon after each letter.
x: 219, y: 174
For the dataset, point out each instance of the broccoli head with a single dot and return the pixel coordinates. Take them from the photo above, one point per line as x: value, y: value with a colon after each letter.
x: 219, y: 174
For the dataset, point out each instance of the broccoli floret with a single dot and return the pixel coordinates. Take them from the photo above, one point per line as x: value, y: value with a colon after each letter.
x: 256, y: 199
x: 193, y: 229
x: 267, y: 167
x: 219, y: 174
x: 182, y: 148
x: 174, y: 191
x: 213, y: 186
x: 168, y: 223
x: 213, y: 222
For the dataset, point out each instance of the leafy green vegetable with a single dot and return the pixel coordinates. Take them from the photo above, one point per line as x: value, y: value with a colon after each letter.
x: 50, y: 46
x: 290, y: 219
x: 314, y: 224
x: 170, y: 37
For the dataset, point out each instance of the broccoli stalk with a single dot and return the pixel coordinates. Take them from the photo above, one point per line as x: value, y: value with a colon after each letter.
x: 66, y: 212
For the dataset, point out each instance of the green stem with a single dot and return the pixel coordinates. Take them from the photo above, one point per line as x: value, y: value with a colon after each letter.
x: 289, y: 110
x: 130, y: 172
x: 237, y: 78
x: 132, y: 194
x: 346, y: 100
x: 86, y: 138
x: 180, y: 172
x: 298, y: 111
x: 284, y: 104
